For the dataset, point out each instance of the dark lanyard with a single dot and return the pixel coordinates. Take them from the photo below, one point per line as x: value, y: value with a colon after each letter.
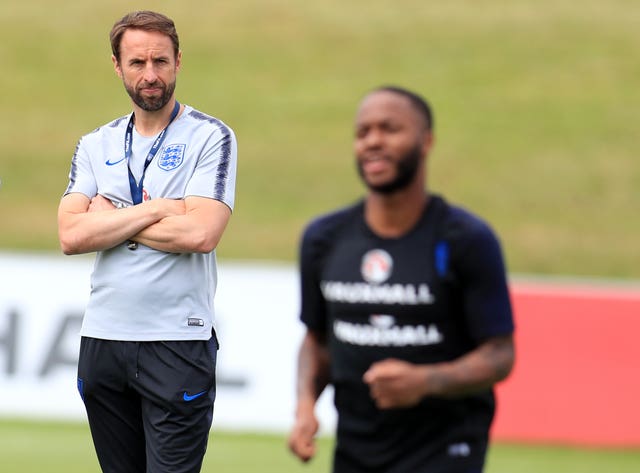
x: 136, y: 188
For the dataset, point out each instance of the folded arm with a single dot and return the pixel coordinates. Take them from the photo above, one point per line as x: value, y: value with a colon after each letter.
x: 198, y: 230
x: 87, y: 225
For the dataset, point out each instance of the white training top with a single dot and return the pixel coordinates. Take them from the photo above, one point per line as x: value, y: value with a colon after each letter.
x: 146, y: 294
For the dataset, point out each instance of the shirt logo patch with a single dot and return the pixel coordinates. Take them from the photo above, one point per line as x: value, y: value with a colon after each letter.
x: 109, y: 162
x: 190, y: 397
x: 376, y: 266
x: 461, y: 449
x: 171, y: 157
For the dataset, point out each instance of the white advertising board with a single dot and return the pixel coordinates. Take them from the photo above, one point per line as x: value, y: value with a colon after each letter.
x: 42, y: 299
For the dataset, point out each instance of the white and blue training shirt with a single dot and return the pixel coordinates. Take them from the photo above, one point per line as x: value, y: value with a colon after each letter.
x: 146, y: 294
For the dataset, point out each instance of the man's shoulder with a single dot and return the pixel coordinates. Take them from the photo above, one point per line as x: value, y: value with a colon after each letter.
x: 113, y: 126
x: 207, y: 121
x: 460, y: 221
x: 323, y: 231
x: 464, y: 231
x: 325, y: 225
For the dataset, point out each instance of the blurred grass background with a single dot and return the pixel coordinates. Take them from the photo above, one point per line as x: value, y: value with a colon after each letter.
x: 67, y: 448
x: 536, y: 106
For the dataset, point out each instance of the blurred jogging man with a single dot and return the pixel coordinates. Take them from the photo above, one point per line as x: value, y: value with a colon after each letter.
x: 407, y: 311
x: 151, y: 193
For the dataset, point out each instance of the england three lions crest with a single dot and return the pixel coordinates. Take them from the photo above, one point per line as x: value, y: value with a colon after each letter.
x: 171, y: 157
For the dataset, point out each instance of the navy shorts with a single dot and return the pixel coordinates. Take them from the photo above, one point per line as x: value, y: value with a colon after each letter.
x: 438, y: 456
x: 149, y: 404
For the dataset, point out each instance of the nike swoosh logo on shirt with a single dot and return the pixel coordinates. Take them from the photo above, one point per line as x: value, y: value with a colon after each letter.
x: 108, y: 162
x: 188, y: 398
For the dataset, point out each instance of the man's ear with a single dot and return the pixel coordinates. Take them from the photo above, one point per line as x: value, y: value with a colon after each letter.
x: 427, y: 142
x: 178, y: 61
x: 116, y: 66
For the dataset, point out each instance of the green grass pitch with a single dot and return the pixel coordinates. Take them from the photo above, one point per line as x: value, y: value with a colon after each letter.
x: 54, y: 447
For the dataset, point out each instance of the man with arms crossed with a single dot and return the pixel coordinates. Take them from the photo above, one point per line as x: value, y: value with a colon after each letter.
x: 151, y: 193
x: 407, y: 311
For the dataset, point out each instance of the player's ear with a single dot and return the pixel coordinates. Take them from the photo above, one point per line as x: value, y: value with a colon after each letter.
x: 178, y: 60
x: 116, y: 66
x: 427, y: 142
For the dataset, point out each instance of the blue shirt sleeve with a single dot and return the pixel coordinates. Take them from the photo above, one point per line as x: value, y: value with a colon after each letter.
x: 482, y: 274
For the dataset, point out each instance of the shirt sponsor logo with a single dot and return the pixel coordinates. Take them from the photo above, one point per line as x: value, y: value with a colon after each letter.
x: 171, y: 157
x: 359, y: 293
x: 383, y: 331
x: 376, y: 266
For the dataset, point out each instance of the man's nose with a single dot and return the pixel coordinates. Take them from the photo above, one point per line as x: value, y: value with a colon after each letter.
x: 374, y: 138
x: 150, y: 74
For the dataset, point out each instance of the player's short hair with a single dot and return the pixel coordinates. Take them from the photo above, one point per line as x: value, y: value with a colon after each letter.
x: 418, y: 103
x: 145, y: 20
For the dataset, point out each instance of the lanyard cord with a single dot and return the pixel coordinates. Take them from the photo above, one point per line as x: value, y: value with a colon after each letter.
x: 136, y: 188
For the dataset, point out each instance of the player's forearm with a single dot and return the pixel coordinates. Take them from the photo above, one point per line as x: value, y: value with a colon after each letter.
x: 168, y: 238
x: 476, y: 371
x: 95, y: 231
x: 313, y: 370
x: 198, y: 229
x: 182, y: 234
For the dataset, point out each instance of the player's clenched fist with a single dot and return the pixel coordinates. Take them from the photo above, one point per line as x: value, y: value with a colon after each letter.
x: 302, y: 438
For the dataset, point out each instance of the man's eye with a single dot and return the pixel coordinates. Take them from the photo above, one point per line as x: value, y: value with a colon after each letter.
x: 391, y: 128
